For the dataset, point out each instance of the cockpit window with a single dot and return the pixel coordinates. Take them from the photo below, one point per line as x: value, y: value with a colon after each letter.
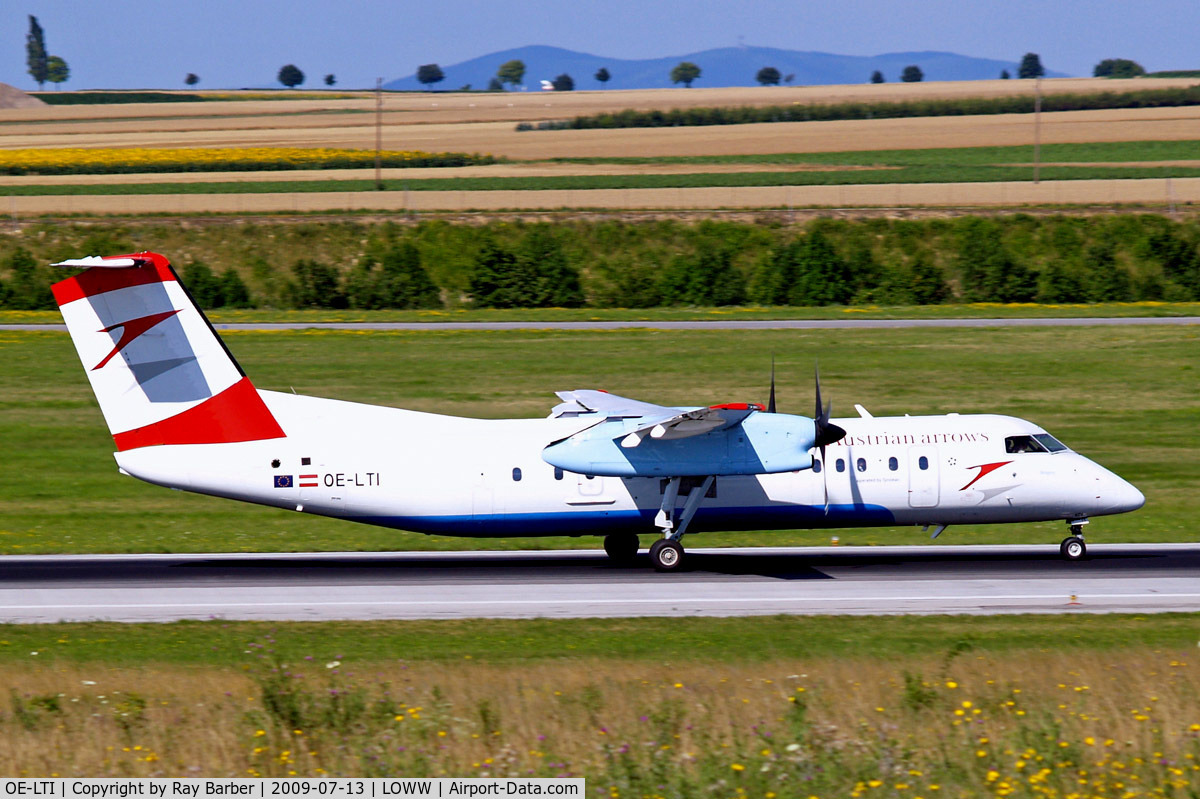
x: 1051, y: 443
x: 1015, y: 444
x: 1040, y: 442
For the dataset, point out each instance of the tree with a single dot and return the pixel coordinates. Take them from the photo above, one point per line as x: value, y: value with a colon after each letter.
x: 494, y: 85
x: 192, y: 79
x: 788, y: 78
x: 912, y: 74
x: 563, y: 83
x: 393, y: 279
x: 1031, y: 66
x: 685, y: 72
x: 35, y: 52
x: 877, y: 77
x: 430, y: 74
x: 330, y: 79
x: 536, y: 275
x: 602, y: 76
x: 1004, y: 75
x: 987, y: 270
x: 290, y: 76
x: 57, y: 70
x: 511, y: 72
x: 1118, y: 68
x: 768, y: 76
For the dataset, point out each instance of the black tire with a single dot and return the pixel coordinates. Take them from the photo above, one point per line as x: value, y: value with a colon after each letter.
x: 666, y: 555
x: 1073, y: 548
x: 621, y: 547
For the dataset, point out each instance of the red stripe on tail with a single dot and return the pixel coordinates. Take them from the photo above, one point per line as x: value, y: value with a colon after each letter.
x: 155, y: 269
x: 236, y: 414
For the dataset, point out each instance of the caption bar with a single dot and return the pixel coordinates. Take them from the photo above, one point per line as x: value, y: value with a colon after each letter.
x: 168, y: 788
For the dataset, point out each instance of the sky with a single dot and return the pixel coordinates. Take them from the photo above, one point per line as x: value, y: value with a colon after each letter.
x: 125, y: 44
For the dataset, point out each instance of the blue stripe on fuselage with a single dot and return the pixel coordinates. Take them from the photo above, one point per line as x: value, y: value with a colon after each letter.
x: 600, y: 522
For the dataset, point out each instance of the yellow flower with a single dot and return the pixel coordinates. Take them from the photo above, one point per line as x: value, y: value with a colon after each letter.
x: 737, y: 767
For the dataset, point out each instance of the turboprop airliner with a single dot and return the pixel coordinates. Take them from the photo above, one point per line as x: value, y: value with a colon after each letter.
x: 184, y: 415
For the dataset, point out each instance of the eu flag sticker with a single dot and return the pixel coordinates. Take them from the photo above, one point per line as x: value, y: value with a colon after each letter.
x: 283, y: 481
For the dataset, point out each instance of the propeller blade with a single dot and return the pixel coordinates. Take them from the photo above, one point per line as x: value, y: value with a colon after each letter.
x: 825, y: 478
x: 771, y: 399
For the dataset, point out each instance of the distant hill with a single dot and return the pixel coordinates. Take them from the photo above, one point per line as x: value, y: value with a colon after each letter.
x: 726, y: 66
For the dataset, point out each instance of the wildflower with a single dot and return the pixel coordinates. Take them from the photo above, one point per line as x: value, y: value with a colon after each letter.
x: 333, y: 664
x: 737, y: 767
x: 951, y: 684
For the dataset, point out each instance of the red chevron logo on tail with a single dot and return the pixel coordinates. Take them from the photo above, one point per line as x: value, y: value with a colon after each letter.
x: 132, y: 329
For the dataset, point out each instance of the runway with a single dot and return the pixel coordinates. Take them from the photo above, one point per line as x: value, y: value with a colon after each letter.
x: 1142, y: 578
x: 728, y: 324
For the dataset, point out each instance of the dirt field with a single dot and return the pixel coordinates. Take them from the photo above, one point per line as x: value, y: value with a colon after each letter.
x: 895, y: 195
x: 501, y: 139
x: 533, y: 105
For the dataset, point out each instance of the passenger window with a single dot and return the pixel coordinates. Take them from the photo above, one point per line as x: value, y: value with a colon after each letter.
x: 816, y: 467
x: 861, y: 464
x: 923, y: 463
x: 893, y: 464
x: 558, y: 473
x: 516, y: 474
x: 841, y: 465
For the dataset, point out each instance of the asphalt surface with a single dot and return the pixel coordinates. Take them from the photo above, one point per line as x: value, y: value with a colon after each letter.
x: 1143, y: 578
x: 730, y: 324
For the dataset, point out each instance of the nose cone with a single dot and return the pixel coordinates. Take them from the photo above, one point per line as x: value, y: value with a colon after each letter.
x: 1120, y: 496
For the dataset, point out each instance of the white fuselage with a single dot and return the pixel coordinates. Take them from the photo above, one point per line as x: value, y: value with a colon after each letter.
x: 471, y: 477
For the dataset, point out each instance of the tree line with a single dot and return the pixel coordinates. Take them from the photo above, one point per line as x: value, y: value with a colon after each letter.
x: 1020, y: 258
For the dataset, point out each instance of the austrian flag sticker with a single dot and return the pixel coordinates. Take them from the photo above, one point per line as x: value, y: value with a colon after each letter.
x: 308, y: 481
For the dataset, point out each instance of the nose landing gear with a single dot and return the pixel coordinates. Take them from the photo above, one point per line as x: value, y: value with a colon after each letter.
x: 1073, y: 547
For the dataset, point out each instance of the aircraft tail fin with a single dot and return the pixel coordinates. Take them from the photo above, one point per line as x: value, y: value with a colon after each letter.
x: 159, y: 370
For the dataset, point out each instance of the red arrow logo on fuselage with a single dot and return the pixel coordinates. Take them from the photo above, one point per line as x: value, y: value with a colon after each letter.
x: 984, y: 469
x: 132, y: 329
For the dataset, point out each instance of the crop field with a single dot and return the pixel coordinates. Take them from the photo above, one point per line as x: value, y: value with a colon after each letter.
x: 484, y: 124
x: 773, y: 706
x: 1123, y: 396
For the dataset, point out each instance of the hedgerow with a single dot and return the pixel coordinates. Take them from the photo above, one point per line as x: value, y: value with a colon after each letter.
x: 606, y: 264
x: 925, y: 107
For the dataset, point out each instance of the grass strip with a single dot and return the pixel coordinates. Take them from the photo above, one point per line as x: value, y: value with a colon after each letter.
x: 978, y: 310
x: 223, y: 643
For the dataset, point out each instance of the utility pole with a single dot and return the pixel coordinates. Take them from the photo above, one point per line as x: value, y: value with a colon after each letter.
x: 1037, y: 132
x: 378, y: 133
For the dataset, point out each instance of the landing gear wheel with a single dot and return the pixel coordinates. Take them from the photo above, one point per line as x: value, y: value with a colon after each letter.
x: 1073, y: 548
x: 621, y: 547
x: 666, y: 555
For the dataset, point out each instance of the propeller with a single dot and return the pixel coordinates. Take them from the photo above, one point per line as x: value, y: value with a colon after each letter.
x: 826, y: 433
x: 771, y: 399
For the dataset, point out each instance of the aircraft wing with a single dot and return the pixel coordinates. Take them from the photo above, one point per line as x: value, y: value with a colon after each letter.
x: 610, y: 406
x: 655, y: 421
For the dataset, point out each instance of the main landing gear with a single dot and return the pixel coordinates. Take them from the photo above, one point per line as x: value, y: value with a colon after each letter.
x: 1073, y: 546
x: 666, y: 554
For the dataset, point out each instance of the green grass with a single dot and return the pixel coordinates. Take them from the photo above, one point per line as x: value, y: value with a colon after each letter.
x: 979, y: 310
x: 1123, y: 396
x: 530, y: 641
